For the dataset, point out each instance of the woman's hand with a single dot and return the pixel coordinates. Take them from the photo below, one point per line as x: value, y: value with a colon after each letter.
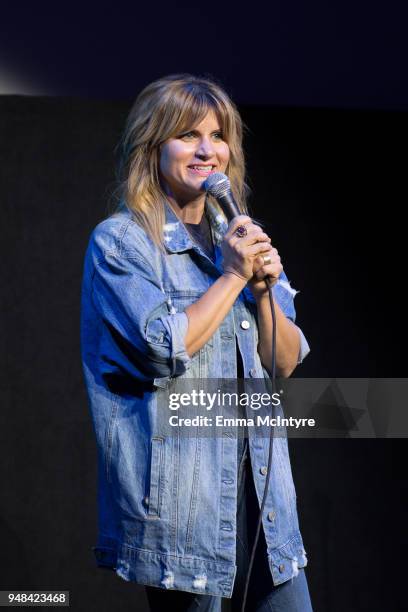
x: 241, y: 253
x: 261, y: 270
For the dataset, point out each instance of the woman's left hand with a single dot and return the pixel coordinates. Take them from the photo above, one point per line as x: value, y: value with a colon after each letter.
x: 272, y: 268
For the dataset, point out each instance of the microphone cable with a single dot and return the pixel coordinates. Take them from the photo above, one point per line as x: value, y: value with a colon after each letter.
x: 218, y: 185
x: 268, y: 283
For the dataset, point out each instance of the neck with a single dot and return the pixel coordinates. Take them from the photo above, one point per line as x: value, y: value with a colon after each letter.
x: 188, y: 212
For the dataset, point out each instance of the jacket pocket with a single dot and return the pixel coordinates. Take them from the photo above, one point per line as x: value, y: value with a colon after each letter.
x: 156, y: 477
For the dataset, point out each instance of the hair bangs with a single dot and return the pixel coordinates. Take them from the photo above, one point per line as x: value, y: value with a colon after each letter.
x: 193, y: 108
x: 163, y: 110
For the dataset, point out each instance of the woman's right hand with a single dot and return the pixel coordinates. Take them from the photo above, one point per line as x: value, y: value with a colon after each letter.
x: 239, y: 253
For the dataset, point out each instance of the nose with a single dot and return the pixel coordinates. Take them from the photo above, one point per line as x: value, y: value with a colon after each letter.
x: 205, y: 148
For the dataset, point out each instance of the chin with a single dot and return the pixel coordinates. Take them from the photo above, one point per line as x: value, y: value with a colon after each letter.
x: 195, y: 188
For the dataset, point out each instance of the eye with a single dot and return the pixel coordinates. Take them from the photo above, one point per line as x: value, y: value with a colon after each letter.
x: 192, y: 134
x: 187, y: 136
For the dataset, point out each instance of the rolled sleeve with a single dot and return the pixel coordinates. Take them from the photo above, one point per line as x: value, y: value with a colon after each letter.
x: 304, y: 346
x: 147, y: 335
x: 286, y: 297
x: 169, y: 332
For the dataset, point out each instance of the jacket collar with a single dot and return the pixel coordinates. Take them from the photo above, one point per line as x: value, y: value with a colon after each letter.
x: 176, y: 236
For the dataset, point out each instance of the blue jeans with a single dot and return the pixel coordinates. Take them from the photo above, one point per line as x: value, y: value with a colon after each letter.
x: 263, y: 596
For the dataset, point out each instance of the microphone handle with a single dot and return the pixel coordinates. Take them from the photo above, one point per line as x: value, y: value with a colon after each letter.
x: 228, y: 205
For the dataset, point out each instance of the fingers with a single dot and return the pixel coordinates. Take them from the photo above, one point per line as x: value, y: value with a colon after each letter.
x: 272, y: 253
x: 272, y: 268
x: 254, y: 233
x: 244, y: 251
x: 258, y: 248
x: 240, y: 220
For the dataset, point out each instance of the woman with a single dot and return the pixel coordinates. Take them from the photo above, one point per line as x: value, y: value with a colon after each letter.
x: 171, y: 293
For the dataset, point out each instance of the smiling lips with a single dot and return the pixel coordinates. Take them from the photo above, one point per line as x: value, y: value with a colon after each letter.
x: 202, y: 170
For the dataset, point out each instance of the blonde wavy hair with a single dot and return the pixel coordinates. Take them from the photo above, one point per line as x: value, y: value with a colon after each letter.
x: 164, y: 109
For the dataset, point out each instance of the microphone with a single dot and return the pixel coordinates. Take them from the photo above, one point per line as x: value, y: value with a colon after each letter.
x: 218, y: 185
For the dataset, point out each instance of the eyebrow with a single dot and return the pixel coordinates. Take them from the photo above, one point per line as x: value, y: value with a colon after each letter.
x: 194, y: 131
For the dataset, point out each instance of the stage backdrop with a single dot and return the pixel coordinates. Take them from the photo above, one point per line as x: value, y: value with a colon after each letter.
x: 320, y: 178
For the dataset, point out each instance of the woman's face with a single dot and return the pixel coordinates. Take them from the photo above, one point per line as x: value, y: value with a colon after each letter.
x: 190, y: 157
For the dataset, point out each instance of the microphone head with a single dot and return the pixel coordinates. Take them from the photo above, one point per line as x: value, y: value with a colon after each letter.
x: 217, y: 184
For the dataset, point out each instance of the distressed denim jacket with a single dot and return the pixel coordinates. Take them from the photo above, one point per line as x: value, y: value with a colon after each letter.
x: 167, y: 506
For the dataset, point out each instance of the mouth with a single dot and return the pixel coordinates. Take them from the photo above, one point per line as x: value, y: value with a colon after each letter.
x: 201, y: 169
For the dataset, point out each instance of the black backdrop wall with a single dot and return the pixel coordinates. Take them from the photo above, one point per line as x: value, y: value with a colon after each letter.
x: 320, y: 179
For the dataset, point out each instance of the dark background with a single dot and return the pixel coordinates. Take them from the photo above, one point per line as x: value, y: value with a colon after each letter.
x: 342, y: 54
x: 323, y: 93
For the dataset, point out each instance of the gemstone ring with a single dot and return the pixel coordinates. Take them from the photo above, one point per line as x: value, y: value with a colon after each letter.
x: 241, y: 231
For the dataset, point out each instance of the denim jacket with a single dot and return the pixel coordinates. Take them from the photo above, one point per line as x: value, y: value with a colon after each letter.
x: 167, y: 506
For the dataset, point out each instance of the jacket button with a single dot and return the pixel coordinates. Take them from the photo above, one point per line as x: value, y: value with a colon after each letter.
x: 146, y: 500
x: 264, y: 470
x: 245, y: 324
x: 281, y: 568
x: 271, y: 516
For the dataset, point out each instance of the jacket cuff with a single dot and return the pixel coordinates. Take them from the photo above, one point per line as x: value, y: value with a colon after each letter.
x: 304, y: 346
x: 176, y: 326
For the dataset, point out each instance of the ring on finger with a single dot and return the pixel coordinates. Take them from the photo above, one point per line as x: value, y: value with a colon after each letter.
x: 241, y: 231
x: 266, y: 260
